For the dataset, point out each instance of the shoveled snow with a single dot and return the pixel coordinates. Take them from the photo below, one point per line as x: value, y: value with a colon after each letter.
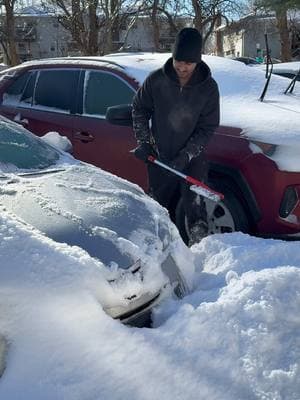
x: 58, y: 141
x: 236, y: 336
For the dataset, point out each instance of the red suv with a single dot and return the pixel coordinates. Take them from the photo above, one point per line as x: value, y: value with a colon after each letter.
x: 71, y: 96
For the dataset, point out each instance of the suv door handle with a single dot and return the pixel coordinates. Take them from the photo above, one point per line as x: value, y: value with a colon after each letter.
x: 84, y: 137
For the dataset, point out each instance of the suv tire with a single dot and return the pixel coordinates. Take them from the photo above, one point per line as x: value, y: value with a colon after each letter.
x: 226, y: 216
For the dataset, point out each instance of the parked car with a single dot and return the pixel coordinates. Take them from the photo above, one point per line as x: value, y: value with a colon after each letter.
x: 72, y: 95
x: 112, y: 219
x: 247, y: 60
x: 287, y: 69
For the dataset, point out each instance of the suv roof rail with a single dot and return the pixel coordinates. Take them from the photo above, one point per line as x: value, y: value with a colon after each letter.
x: 78, y: 58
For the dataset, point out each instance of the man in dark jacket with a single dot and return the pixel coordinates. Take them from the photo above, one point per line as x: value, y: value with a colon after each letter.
x: 182, y: 101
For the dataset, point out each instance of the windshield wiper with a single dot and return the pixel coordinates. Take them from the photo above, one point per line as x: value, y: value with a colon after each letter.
x: 268, y: 72
x: 291, y: 86
x: 41, y: 172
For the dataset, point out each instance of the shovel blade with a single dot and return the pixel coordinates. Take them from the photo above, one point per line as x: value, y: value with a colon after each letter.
x: 206, y: 193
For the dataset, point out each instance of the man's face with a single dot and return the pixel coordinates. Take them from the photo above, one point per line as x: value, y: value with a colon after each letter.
x: 184, y: 69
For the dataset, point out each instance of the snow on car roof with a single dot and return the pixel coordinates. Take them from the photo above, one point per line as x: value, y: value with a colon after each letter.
x: 292, y: 67
x: 276, y: 120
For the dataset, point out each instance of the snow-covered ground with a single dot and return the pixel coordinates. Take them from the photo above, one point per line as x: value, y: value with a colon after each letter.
x: 236, y: 336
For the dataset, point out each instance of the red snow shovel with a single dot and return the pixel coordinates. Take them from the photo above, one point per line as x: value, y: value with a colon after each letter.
x: 197, y: 186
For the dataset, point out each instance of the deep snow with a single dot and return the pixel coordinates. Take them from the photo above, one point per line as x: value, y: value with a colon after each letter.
x: 236, y: 336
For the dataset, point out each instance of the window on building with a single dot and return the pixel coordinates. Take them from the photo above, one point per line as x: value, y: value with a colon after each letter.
x: 103, y: 90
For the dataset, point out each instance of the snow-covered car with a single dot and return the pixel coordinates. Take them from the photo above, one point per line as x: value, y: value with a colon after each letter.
x: 253, y: 155
x: 113, y: 220
x: 287, y: 69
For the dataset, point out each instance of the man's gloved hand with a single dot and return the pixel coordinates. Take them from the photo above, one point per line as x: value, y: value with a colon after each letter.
x: 181, y: 161
x: 143, y: 151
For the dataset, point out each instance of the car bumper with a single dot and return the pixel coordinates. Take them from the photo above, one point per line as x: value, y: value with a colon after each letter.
x: 138, y: 311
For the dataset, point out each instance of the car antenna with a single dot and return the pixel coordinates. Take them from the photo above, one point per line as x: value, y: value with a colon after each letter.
x: 291, y: 85
x: 268, y: 71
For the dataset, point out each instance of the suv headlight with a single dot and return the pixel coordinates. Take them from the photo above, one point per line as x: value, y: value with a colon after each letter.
x: 266, y: 148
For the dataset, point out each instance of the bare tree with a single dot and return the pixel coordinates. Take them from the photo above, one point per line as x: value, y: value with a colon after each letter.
x: 94, y: 24
x: 81, y: 20
x: 205, y: 14
x: 209, y: 13
x: 281, y: 7
x: 8, y: 33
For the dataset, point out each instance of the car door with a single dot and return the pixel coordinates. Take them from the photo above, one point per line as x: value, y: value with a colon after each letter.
x: 43, y: 100
x: 95, y: 140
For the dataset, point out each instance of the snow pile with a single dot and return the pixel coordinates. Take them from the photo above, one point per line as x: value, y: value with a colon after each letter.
x: 236, y: 336
x: 56, y: 140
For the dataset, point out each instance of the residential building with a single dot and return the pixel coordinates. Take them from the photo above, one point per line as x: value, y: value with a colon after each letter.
x: 246, y: 37
x: 40, y: 35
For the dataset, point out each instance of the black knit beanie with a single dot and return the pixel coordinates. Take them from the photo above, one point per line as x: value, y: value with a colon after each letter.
x: 188, y: 45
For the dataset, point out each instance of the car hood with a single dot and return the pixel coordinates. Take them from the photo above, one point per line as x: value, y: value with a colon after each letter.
x: 81, y: 205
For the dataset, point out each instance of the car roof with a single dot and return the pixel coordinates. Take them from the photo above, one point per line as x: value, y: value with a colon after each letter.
x: 240, y: 88
x: 59, y: 61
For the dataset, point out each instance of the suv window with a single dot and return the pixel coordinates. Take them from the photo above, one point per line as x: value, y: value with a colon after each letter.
x: 14, y: 92
x: 27, y: 95
x: 102, y: 90
x: 56, y: 89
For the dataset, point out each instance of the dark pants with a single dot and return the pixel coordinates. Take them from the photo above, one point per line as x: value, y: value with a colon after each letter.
x: 163, y: 186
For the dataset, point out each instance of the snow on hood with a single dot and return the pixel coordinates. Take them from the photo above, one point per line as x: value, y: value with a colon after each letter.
x: 235, y: 337
x: 110, y: 218
x: 56, y: 140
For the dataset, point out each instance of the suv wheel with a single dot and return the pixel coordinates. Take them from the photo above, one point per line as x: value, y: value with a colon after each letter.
x: 226, y: 216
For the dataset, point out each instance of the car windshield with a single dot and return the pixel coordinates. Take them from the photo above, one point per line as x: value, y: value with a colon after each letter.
x: 21, y: 150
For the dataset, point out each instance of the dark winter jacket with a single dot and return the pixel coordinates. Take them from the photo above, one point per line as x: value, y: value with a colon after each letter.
x: 183, y: 118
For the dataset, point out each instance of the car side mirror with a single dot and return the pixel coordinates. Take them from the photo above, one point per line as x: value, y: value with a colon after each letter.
x: 119, y: 115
